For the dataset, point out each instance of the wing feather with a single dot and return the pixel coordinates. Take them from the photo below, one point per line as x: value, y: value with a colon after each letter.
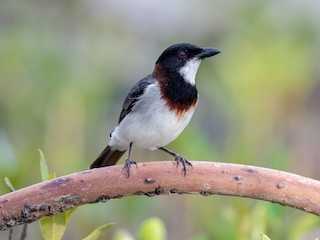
x: 135, y: 93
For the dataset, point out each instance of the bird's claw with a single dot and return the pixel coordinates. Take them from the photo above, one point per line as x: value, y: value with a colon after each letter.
x: 184, y: 163
x: 127, y: 165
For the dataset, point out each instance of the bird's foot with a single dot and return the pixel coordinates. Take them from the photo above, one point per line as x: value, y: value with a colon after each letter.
x: 127, y: 165
x: 184, y: 163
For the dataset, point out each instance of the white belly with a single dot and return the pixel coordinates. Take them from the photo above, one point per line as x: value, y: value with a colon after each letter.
x: 150, y: 125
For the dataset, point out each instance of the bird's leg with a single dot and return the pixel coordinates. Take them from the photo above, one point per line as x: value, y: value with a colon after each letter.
x: 178, y: 158
x: 128, y: 162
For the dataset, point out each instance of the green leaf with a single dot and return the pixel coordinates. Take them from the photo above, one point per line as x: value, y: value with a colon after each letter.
x: 53, y: 228
x: 52, y: 175
x: 264, y: 237
x: 43, y: 167
x: 98, y: 231
x: 154, y: 228
x: 122, y: 234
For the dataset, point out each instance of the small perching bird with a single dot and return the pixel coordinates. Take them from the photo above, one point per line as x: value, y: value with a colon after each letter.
x: 158, y: 107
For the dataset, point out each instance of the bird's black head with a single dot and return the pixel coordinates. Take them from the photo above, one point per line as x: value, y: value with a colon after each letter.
x: 184, y: 58
x: 176, y: 56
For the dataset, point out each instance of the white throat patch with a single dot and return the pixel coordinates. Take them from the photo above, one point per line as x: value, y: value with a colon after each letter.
x: 189, y: 70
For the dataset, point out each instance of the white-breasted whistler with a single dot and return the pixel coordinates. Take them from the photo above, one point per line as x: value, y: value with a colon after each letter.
x: 158, y: 107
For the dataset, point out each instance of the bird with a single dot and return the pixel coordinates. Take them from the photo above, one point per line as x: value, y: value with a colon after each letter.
x: 158, y: 107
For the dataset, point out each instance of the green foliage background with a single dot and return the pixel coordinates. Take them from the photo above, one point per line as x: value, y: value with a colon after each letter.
x: 66, y: 67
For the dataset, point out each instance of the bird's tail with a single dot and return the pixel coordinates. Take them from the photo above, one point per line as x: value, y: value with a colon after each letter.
x: 108, y: 157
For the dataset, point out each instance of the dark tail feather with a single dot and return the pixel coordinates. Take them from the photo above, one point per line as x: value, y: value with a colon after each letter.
x: 107, y: 158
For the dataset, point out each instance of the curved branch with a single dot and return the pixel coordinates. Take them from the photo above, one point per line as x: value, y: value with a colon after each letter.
x: 156, y: 178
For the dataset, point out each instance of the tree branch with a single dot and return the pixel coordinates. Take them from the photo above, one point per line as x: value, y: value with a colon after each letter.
x: 156, y: 178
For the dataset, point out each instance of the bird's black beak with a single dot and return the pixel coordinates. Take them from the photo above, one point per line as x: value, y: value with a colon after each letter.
x: 208, y: 52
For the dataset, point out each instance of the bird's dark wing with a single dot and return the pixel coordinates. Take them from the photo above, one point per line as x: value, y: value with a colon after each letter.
x: 135, y: 93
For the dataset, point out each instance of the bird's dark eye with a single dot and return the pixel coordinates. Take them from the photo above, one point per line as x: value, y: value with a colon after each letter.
x: 182, y: 54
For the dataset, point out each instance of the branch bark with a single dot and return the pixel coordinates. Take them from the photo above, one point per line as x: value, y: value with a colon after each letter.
x: 157, y: 178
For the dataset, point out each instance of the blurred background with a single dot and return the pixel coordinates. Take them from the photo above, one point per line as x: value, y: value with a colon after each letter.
x: 66, y: 67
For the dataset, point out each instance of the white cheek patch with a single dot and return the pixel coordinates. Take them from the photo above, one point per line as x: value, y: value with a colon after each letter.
x: 189, y: 70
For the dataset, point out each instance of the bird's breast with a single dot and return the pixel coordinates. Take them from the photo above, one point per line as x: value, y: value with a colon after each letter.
x: 152, y: 123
